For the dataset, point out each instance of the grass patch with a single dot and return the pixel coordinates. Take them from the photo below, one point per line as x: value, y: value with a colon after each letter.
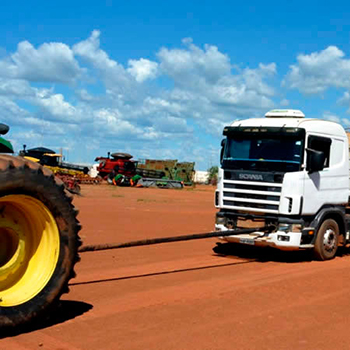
x: 145, y: 200
x: 148, y: 200
x: 118, y: 195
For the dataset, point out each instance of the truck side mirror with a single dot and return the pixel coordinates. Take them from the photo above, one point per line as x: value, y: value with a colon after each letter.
x: 223, y: 143
x: 315, y: 160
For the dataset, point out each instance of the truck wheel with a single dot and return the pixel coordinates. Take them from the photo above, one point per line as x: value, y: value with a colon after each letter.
x: 327, y: 240
x: 38, y: 240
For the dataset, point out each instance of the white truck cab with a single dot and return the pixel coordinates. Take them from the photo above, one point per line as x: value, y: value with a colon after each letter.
x: 288, y: 176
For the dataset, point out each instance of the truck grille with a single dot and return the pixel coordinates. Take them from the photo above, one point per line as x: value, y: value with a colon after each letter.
x: 252, y: 195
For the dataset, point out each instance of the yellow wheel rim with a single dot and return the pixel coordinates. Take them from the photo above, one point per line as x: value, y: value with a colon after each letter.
x: 29, y: 248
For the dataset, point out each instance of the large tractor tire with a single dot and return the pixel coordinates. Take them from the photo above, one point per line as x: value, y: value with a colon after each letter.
x: 38, y: 241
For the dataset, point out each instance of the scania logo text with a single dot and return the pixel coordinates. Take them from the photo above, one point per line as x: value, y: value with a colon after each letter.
x: 255, y: 177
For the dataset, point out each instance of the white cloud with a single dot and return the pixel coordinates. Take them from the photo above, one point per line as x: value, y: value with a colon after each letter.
x: 51, y: 62
x: 334, y: 118
x: 114, y: 75
x: 15, y: 88
x: 90, y: 50
x: 240, y: 96
x: 194, y: 65
x: 45, y: 128
x: 172, y: 125
x: 110, y: 123
x: 216, y: 126
x: 84, y: 95
x: 10, y: 112
x: 319, y: 71
x: 253, y: 78
x: 345, y: 99
x: 142, y: 69
x: 57, y: 107
x: 206, y: 85
x: 156, y: 105
x: 205, y: 92
x: 284, y: 102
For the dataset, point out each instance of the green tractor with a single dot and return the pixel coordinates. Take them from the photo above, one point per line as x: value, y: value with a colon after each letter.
x: 38, y: 238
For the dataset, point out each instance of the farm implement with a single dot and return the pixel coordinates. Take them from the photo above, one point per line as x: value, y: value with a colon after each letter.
x: 121, y: 170
x: 72, y: 175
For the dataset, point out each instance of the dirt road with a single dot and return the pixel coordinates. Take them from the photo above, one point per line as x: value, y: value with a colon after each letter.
x: 181, y: 295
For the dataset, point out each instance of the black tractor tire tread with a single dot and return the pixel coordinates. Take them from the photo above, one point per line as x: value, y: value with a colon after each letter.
x: 22, y: 176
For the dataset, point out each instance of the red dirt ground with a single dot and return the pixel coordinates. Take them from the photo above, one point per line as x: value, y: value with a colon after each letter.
x: 182, y: 295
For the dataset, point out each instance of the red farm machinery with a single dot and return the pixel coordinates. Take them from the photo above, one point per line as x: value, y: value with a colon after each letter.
x: 121, y: 170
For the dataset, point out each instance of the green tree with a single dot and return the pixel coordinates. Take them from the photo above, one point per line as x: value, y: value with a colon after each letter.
x: 213, y: 175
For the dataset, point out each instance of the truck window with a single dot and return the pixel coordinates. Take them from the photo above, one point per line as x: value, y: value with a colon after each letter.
x: 337, y: 150
x: 322, y: 144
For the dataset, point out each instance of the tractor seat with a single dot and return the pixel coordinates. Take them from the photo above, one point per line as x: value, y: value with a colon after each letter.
x: 4, y: 129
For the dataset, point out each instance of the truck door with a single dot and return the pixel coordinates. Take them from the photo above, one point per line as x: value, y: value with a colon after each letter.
x: 329, y: 185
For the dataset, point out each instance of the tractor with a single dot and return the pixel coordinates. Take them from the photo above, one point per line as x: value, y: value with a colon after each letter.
x: 38, y: 238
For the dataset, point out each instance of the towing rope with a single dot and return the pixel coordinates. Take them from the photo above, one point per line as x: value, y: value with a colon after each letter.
x: 150, y: 241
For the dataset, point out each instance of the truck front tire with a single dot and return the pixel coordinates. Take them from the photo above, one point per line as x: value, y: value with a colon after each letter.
x: 327, y: 240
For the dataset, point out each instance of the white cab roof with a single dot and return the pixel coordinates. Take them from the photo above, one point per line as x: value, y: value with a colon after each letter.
x: 316, y: 126
x: 289, y: 113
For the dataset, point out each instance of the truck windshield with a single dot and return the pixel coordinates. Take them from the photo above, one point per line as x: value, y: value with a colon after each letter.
x: 256, y: 152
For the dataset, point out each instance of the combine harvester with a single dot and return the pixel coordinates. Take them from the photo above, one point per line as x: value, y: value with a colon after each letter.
x: 121, y: 170
x: 72, y: 175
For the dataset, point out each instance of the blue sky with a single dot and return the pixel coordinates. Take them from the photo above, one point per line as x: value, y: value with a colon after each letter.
x: 160, y: 79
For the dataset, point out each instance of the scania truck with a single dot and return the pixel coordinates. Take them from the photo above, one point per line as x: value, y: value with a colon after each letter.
x: 288, y: 176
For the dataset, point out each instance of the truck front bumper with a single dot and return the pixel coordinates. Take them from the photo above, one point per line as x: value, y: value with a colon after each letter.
x: 280, y: 239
